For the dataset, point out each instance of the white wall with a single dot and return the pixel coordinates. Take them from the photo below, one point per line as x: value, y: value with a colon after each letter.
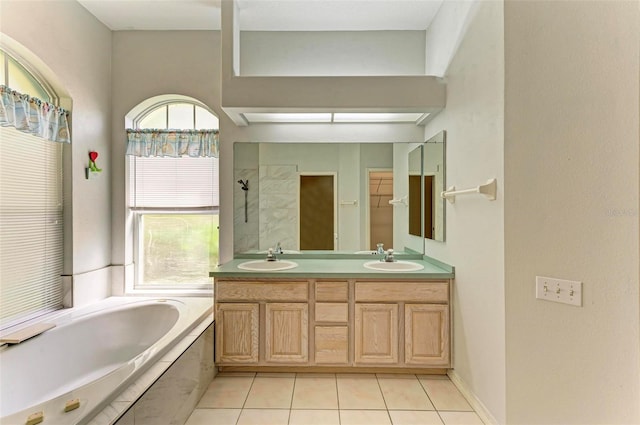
x: 76, y: 48
x: 474, y: 122
x: 571, y: 210
x: 319, y: 53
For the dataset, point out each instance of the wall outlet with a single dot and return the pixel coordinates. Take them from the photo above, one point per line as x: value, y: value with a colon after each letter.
x: 559, y: 290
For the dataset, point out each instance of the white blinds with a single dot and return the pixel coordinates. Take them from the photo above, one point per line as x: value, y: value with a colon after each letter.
x: 161, y: 182
x: 31, y: 233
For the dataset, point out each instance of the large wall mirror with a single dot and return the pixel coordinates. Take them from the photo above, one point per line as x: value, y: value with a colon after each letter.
x: 329, y: 197
x: 434, y: 183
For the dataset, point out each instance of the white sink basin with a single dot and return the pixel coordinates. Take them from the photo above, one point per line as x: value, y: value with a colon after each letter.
x: 396, y: 266
x: 267, y: 266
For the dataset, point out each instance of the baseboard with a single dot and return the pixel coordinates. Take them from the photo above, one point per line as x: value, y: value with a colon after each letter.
x: 474, y: 401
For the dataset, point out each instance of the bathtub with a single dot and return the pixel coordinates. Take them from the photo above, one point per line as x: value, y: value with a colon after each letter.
x: 92, y: 354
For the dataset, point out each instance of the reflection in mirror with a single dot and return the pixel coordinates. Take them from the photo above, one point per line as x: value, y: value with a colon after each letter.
x: 434, y: 175
x: 276, y: 190
x: 415, y: 192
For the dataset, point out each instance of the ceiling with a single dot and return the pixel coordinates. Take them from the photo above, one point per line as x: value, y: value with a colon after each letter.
x: 266, y: 15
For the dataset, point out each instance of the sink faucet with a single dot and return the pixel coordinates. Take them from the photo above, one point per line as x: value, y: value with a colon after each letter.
x: 388, y: 256
x: 270, y: 255
x: 380, y: 249
x: 278, y: 249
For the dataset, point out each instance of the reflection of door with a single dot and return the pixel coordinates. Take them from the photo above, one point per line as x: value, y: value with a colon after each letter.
x: 317, y: 212
x: 415, y: 213
x: 380, y: 211
x: 428, y: 207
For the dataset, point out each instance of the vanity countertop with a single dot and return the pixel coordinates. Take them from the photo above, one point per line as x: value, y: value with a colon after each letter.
x: 334, y: 268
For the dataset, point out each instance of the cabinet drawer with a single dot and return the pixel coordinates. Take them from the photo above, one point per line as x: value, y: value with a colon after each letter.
x: 260, y: 291
x: 332, y: 312
x: 331, y: 344
x: 332, y: 291
x: 423, y: 292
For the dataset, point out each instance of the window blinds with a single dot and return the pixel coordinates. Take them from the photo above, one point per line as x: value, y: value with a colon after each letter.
x: 173, y: 183
x: 31, y: 232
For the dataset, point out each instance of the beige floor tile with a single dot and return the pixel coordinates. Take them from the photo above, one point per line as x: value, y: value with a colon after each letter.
x: 264, y: 417
x: 359, y: 392
x: 226, y: 392
x: 270, y: 393
x: 364, y: 417
x: 460, y: 418
x: 214, y: 416
x: 444, y: 395
x: 315, y: 392
x: 314, y: 417
x: 404, y: 394
x: 413, y: 417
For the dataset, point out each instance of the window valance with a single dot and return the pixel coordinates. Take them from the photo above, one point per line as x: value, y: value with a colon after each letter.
x: 34, y: 116
x: 172, y: 143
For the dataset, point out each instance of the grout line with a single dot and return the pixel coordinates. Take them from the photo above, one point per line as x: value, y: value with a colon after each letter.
x: 384, y: 400
x: 293, y: 392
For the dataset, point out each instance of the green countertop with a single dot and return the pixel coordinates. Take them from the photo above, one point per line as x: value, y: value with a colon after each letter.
x: 335, y: 268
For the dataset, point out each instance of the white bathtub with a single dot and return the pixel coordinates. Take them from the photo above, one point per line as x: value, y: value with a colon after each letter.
x: 92, y: 354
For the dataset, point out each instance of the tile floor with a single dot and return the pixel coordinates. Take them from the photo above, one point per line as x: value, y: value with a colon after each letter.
x: 332, y: 399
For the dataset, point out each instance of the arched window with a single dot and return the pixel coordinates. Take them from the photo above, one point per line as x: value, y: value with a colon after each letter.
x: 31, y: 217
x: 174, y: 201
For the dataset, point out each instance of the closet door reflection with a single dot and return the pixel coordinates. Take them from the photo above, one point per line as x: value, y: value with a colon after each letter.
x: 380, y: 211
x: 317, y: 212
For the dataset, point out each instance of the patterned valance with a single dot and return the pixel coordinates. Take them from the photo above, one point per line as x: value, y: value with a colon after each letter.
x: 31, y: 115
x: 172, y: 143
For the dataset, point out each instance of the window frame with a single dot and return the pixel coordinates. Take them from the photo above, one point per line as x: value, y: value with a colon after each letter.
x: 135, y: 284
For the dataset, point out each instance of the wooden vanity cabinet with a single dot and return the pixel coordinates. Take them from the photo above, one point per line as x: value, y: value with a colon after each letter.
x: 325, y: 324
x: 261, y: 322
x: 412, y: 317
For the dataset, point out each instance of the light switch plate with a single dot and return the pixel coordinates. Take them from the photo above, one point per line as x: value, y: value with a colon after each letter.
x: 559, y: 290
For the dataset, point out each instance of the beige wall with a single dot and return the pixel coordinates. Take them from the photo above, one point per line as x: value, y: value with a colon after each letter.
x: 148, y: 64
x: 76, y: 48
x: 474, y: 122
x: 571, y: 210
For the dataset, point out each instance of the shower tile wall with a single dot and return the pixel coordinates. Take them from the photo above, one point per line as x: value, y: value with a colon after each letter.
x: 278, y: 206
x: 246, y: 235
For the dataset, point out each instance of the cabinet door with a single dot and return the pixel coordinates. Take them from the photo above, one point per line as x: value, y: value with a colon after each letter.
x: 332, y: 345
x: 376, y: 333
x: 236, y: 333
x: 287, y: 332
x: 426, y: 330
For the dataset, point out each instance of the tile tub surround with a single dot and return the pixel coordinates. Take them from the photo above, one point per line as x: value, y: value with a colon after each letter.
x: 340, y: 399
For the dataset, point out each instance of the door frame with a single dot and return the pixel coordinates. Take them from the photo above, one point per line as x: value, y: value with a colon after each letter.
x: 335, y: 203
x: 367, y: 212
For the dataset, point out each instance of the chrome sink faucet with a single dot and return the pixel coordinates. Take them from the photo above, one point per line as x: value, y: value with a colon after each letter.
x: 380, y: 249
x: 388, y: 256
x: 271, y: 256
x: 278, y: 249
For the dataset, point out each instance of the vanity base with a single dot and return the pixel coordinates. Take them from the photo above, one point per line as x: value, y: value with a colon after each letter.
x: 318, y: 369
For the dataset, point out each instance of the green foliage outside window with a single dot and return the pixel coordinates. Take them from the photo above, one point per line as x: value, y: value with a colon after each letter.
x: 179, y: 248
